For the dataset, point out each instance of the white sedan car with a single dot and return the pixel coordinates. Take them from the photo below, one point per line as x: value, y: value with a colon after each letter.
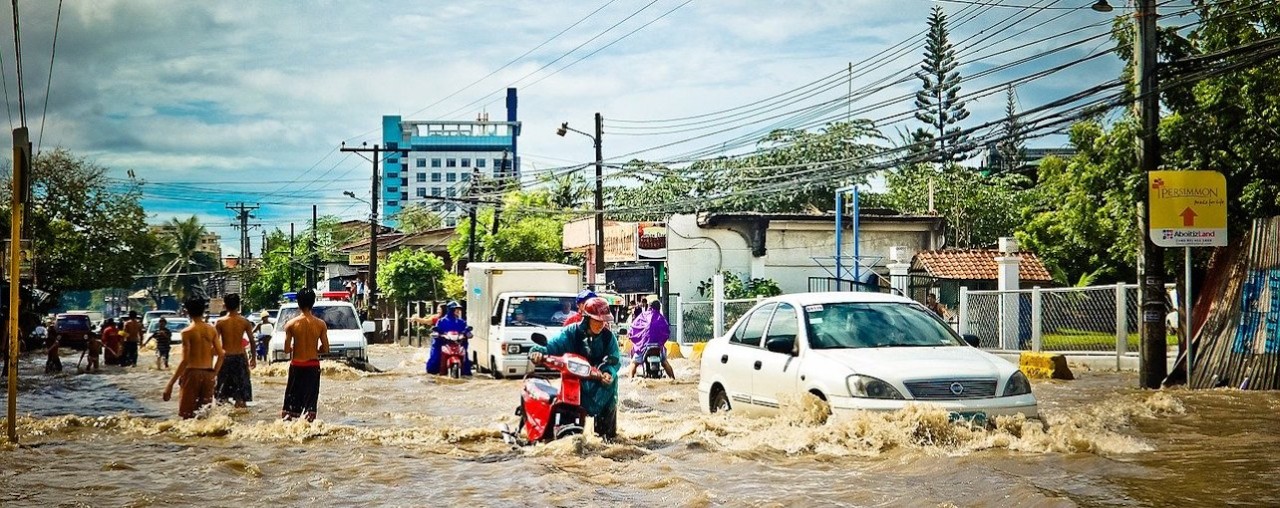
x: 856, y: 351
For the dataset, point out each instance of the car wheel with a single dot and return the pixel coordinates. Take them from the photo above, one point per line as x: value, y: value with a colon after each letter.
x: 493, y: 368
x: 719, y: 400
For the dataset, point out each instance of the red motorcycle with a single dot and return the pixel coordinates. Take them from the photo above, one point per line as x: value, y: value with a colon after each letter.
x: 452, y: 354
x: 548, y: 412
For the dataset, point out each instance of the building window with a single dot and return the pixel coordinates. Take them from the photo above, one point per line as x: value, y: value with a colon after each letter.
x: 450, y: 222
x: 422, y: 192
x: 393, y: 160
x: 451, y: 163
x: 435, y: 191
x: 466, y: 177
x: 451, y: 177
x: 393, y: 203
x: 393, y: 176
x: 435, y: 177
x: 466, y: 163
x: 404, y: 182
x: 422, y: 177
x: 497, y: 164
x: 451, y: 207
x: 437, y: 207
x: 453, y: 192
x: 392, y: 190
x: 480, y: 163
x: 435, y: 163
x: 404, y: 196
x: 392, y: 145
x: 422, y: 163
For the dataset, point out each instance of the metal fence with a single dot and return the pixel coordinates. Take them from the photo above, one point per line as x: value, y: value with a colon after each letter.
x: 1084, y: 319
x: 696, y: 320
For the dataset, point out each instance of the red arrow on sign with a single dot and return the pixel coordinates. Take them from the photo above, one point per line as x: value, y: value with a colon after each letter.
x: 1188, y: 217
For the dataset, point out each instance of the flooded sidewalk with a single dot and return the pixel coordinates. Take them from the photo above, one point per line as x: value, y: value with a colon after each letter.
x: 402, y: 438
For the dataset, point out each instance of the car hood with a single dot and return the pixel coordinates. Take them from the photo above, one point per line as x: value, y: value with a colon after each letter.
x: 337, y: 338
x: 907, y: 363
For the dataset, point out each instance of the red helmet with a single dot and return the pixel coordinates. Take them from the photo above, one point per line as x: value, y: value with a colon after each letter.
x: 598, y: 309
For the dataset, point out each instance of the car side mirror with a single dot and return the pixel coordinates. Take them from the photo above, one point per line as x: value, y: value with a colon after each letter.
x: 784, y: 345
x: 539, y: 339
x: 368, y: 327
x: 971, y: 339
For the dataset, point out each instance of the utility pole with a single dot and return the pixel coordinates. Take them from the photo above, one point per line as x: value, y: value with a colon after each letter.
x: 371, y: 285
x: 19, y: 193
x: 243, y: 214
x: 474, y: 203
x: 599, y: 269
x: 1153, y: 367
x: 313, y: 257
x: 497, y: 208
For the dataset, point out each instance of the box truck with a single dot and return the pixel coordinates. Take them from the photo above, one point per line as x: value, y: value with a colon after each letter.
x: 510, y: 303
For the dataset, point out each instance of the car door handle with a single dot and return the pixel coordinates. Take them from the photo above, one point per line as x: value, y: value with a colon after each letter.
x: 724, y: 358
x: 757, y: 364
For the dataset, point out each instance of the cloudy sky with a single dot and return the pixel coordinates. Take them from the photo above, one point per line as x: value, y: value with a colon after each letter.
x: 216, y: 102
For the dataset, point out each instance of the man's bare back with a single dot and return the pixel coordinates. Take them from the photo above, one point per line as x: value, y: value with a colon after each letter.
x: 306, y: 337
x: 233, y: 329
x: 200, y: 345
x: 134, y: 331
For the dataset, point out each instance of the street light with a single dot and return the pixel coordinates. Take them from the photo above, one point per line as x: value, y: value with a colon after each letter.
x: 1102, y: 6
x: 599, y: 247
x: 352, y: 195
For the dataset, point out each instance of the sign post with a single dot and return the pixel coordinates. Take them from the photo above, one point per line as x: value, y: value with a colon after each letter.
x: 1188, y: 209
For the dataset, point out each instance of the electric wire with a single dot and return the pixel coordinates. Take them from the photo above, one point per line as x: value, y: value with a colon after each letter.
x: 48, y: 86
x: 17, y: 50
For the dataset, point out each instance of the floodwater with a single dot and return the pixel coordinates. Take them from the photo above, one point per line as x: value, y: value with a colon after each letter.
x: 402, y: 438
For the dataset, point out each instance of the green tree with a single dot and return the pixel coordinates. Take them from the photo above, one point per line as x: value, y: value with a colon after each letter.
x: 978, y: 209
x: 658, y: 190
x: 410, y: 274
x: 569, y: 190
x: 182, y: 255
x: 454, y: 287
x: 270, y: 278
x: 938, y: 102
x: 89, y: 231
x: 1011, y: 148
x: 416, y: 218
x: 528, y: 239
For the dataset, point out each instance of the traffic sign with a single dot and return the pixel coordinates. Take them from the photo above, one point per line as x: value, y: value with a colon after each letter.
x: 26, y: 260
x: 1188, y: 208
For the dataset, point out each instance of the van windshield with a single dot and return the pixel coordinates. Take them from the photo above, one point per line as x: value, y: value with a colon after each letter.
x: 73, y: 323
x: 336, y: 318
x: 539, y: 311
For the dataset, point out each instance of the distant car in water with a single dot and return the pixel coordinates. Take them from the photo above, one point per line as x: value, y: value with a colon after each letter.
x: 856, y: 351
x: 174, y: 324
x: 74, y: 330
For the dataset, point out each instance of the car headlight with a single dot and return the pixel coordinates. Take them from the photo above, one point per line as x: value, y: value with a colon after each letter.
x: 871, y: 388
x: 353, y: 353
x: 1017, y: 384
x: 513, y: 349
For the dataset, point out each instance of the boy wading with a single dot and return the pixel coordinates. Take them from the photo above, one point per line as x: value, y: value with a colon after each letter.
x: 233, y: 377
x: 305, y: 338
x: 196, y: 373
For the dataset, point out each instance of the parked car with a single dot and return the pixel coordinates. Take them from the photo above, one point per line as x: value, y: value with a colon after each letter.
x: 855, y: 351
x: 173, y: 323
x: 154, y: 315
x: 74, y: 330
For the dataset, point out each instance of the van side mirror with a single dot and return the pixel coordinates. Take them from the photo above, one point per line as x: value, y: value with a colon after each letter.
x: 495, y: 320
x: 469, y: 328
x: 971, y: 339
x: 784, y: 345
x: 539, y: 339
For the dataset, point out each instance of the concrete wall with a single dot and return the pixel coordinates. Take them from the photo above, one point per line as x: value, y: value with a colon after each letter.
x: 695, y: 254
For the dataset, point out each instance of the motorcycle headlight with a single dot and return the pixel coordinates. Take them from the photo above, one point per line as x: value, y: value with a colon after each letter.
x: 1017, y: 384
x: 580, y: 369
x: 868, y: 387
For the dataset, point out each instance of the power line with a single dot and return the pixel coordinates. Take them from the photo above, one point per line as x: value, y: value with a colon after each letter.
x: 17, y: 50
x: 49, y: 82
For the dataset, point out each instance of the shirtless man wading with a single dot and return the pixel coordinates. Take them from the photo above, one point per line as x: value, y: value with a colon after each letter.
x: 197, y: 372
x: 233, y: 377
x: 305, y: 338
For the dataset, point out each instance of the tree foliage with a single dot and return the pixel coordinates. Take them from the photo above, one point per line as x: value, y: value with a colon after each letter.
x: 978, y: 209
x: 737, y: 288
x: 1011, y: 148
x: 88, y: 232
x: 270, y: 278
x: 182, y: 256
x: 411, y: 274
x: 938, y: 102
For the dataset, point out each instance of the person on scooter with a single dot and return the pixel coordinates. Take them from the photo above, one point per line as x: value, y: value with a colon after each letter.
x: 583, y: 296
x: 650, y: 329
x: 592, y: 339
x: 452, y: 322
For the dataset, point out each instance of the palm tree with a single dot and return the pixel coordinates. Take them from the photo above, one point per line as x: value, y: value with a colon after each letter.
x: 183, y: 255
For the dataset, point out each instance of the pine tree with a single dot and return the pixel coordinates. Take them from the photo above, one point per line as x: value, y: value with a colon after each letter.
x: 1010, y: 147
x: 938, y: 103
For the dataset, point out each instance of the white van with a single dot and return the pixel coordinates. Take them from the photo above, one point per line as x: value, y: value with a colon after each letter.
x: 346, y: 332
x: 543, y: 293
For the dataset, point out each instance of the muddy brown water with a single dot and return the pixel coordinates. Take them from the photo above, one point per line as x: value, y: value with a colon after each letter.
x: 402, y: 438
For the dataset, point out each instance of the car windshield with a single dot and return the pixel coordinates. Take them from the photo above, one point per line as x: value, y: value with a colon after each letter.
x: 869, y: 325
x: 538, y: 310
x: 73, y: 323
x: 173, y: 324
x: 335, y: 317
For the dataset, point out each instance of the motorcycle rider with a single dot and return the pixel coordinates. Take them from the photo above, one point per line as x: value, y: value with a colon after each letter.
x: 583, y: 296
x: 452, y: 322
x: 592, y: 339
x: 650, y: 329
